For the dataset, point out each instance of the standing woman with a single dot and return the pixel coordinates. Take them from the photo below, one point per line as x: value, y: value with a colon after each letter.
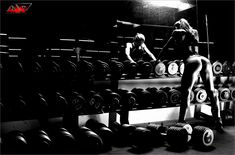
x: 185, y: 41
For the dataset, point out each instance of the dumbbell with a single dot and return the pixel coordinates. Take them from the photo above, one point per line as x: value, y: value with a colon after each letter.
x: 111, y: 100
x: 130, y: 69
x: 217, y: 67
x: 143, y: 97
x: 72, y: 67
x: 122, y: 133
x: 159, y: 69
x: 102, y: 69
x: 159, y: 97
x: 61, y: 103
x: 144, y: 68
x: 14, y: 71
x: 154, y: 96
x: 39, y: 141
x: 227, y: 116
x: 226, y: 68
x: 18, y: 106
x: 224, y: 94
x: 37, y: 67
x: 140, y: 138
x: 179, y: 135
x: 103, y: 131
x: 200, y: 94
x: 53, y: 67
x: 58, y: 103
x: 15, y: 142
x: 171, y: 67
x: 232, y: 93
x: 76, y: 106
x: 68, y: 67
x: 181, y: 66
x: 95, y: 102
x: 166, y: 91
x: 39, y: 106
x: 128, y: 99
x: 16, y: 67
x: 87, y: 140
x: 86, y: 68
x: 77, y: 102
x: 117, y: 69
x: 174, y: 96
x: 64, y: 141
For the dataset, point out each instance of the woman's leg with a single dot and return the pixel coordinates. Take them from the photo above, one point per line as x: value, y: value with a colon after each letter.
x: 193, y: 66
x: 207, y: 77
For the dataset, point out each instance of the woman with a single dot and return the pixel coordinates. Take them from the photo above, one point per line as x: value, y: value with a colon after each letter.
x: 185, y: 40
x: 135, y: 51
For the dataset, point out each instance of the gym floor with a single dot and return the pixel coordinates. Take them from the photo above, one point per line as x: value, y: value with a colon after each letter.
x: 223, y: 145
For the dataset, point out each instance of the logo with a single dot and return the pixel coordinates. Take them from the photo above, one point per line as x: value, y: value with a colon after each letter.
x: 19, y: 8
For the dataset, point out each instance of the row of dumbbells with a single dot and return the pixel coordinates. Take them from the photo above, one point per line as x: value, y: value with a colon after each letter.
x: 225, y: 93
x: 91, y: 102
x: 178, y: 136
x: 96, y: 137
x: 225, y: 68
x: 51, y: 104
x: 107, y: 100
x: 93, y: 137
x: 114, y: 69
x: 99, y: 69
x: 152, y: 97
x: 154, y: 69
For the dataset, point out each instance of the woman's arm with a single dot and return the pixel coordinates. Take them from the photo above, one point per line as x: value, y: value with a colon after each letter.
x: 148, y: 52
x: 165, y: 47
x: 196, y: 40
x: 127, y: 52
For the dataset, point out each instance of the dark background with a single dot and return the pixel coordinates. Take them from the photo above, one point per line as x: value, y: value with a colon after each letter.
x: 46, y: 20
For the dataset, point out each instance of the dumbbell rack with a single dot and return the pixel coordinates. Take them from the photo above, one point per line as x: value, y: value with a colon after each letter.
x: 128, y: 84
x: 112, y: 116
x: 159, y: 114
x: 204, y: 111
x: 107, y: 83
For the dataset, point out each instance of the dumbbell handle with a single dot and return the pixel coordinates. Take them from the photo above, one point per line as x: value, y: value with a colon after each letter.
x: 165, y: 134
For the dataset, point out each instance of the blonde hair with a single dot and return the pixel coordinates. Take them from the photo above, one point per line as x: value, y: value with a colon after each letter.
x: 184, y: 24
x: 139, y: 37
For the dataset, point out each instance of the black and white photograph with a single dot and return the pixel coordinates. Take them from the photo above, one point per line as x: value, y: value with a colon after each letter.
x: 124, y: 77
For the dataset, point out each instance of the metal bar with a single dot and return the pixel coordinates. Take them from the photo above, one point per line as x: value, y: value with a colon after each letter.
x: 207, y: 39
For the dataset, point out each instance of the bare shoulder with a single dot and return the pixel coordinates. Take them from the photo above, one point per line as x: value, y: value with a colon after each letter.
x: 129, y: 45
x: 143, y: 45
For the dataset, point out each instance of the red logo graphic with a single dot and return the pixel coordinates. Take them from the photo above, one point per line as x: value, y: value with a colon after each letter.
x: 19, y: 8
